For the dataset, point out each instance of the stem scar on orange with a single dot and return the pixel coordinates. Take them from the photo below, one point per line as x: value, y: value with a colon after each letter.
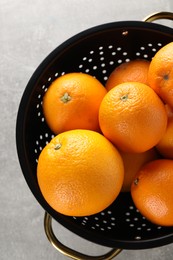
x: 80, y: 173
x: 72, y: 101
x: 132, y: 117
x: 152, y: 191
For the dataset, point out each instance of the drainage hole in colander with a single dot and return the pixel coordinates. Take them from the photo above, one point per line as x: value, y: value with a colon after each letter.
x: 107, y: 57
x: 136, y: 221
x: 41, y: 142
x: 150, y: 47
x: 101, y: 222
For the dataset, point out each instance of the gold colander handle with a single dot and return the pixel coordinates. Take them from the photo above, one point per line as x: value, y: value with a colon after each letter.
x: 70, y: 252
x: 158, y: 16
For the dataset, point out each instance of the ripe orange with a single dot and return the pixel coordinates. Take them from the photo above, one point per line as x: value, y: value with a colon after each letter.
x: 165, y: 145
x: 135, y: 70
x: 80, y: 172
x: 152, y: 191
x: 72, y: 101
x: 160, y: 74
x: 132, y: 164
x: 132, y: 117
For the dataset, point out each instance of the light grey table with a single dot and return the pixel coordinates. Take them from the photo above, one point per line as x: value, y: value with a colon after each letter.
x: 29, y: 31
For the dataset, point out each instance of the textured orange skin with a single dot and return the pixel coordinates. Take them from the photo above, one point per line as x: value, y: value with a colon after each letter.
x: 132, y: 164
x: 160, y: 74
x: 153, y: 192
x: 81, y: 111
x: 135, y: 70
x: 83, y: 176
x: 165, y: 145
x: 132, y: 117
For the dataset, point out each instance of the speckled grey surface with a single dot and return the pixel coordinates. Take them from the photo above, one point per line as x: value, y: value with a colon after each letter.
x: 29, y: 31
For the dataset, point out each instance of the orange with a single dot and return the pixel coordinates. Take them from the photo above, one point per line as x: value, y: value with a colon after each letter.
x: 152, y: 191
x: 165, y: 145
x: 132, y: 164
x: 160, y: 74
x: 72, y: 101
x: 80, y: 173
x: 134, y: 70
x: 132, y: 117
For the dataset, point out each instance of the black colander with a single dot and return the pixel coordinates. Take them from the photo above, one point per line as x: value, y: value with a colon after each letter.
x: 96, y: 51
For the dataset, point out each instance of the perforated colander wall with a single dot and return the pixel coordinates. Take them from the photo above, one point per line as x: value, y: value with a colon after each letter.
x: 106, y: 220
x: 121, y: 224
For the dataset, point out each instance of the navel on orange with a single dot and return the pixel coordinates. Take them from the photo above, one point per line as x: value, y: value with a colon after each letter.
x: 160, y: 74
x: 132, y: 117
x: 134, y: 70
x: 152, y: 191
x: 80, y: 173
x: 72, y: 102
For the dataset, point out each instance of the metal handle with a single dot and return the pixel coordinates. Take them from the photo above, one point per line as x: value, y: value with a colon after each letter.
x: 70, y: 252
x: 158, y: 16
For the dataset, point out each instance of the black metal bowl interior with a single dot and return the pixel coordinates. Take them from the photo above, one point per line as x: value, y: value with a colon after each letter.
x: 96, y: 51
